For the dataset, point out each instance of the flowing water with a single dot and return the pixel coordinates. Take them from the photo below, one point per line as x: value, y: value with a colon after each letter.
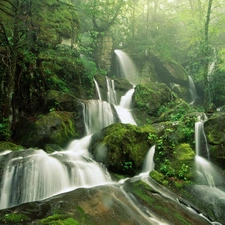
x: 192, y: 90
x: 127, y: 67
x: 209, y: 178
x: 97, y: 115
x: 124, y: 108
x: 98, y: 90
x: 35, y: 175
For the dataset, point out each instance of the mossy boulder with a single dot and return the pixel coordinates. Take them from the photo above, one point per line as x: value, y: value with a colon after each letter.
x: 122, y: 147
x: 215, y: 133
x: 148, y: 98
x: 56, y: 127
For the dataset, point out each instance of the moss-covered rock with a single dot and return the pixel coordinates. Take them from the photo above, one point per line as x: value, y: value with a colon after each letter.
x: 148, y: 98
x: 215, y: 133
x: 56, y: 127
x: 122, y: 147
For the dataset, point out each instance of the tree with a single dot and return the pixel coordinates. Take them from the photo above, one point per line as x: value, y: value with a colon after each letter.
x: 14, y: 20
x: 207, y: 94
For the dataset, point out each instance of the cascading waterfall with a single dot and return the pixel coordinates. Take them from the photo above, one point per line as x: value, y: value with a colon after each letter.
x: 111, y: 93
x: 35, y: 175
x: 97, y: 115
x: 192, y: 90
x: 127, y: 67
x: 98, y: 90
x: 124, y: 109
x: 149, y: 164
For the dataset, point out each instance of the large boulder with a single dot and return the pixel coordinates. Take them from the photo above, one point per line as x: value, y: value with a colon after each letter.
x: 215, y: 133
x: 122, y: 147
x: 56, y: 127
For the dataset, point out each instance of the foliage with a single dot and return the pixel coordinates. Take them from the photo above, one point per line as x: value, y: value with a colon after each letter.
x: 5, y: 133
x: 14, y: 218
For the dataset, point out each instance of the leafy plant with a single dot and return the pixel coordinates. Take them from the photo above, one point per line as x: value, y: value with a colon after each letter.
x: 184, y: 169
x: 127, y: 165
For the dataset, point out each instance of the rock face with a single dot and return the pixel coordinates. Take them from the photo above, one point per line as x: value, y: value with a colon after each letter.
x: 122, y: 147
x: 215, y: 133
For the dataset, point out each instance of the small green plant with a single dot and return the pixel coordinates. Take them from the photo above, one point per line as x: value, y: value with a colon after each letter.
x: 127, y: 166
x: 166, y: 169
x: 4, y: 129
x: 184, y: 169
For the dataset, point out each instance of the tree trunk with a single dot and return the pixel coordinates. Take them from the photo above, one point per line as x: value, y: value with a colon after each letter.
x: 207, y: 94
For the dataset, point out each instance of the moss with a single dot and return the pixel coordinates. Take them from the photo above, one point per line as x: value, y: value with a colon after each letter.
x: 58, y: 219
x: 159, y: 177
x: 14, y: 218
x: 127, y: 143
x: 59, y: 127
x: 184, y: 152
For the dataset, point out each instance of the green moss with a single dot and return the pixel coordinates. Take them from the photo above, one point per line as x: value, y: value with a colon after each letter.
x: 184, y: 152
x: 14, y: 218
x: 159, y: 177
x: 127, y: 143
x: 58, y: 219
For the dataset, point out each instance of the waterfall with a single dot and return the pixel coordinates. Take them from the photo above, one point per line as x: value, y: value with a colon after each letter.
x: 111, y: 93
x: 97, y: 115
x: 98, y: 90
x: 192, y: 89
x: 201, y: 145
x: 35, y: 175
x: 127, y: 67
x: 149, y: 162
x: 124, y: 109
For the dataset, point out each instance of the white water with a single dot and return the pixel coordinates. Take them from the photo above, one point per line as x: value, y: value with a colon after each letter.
x: 124, y: 109
x: 98, y: 90
x: 97, y: 115
x: 208, y: 176
x: 37, y: 175
x: 201, y: 146
x: 192, y: 89
x: 127, y: 67
x: 149, y: 164
x: 111, y: 93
